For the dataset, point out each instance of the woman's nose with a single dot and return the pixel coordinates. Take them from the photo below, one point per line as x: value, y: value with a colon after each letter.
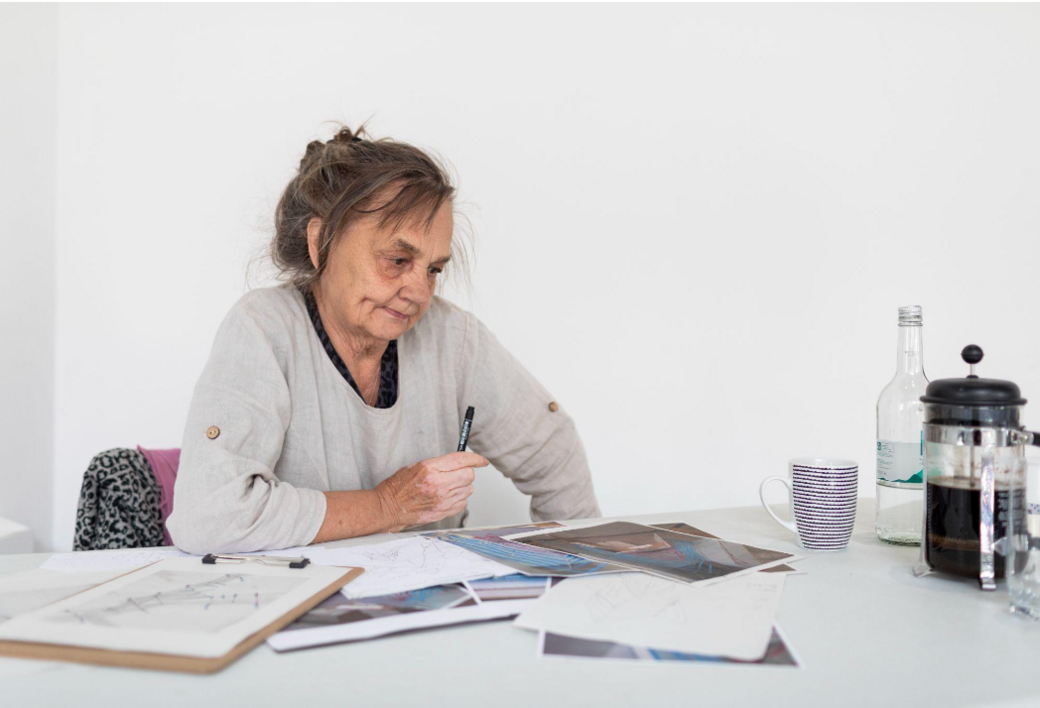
x: 418, y: 287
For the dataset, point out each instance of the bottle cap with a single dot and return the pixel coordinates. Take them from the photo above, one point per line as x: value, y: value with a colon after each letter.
x: 910, y: 316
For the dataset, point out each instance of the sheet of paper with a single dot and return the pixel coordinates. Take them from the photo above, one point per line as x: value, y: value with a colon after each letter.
x: 732, y: 619
x: 109, y: 560
x: 176, y: 606
x: 677, y: 556
x: 25, y: 592
x: 409, y: 563
x: 553, y: 645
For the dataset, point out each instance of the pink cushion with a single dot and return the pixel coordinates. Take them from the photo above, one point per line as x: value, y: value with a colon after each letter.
x: 164, y: 466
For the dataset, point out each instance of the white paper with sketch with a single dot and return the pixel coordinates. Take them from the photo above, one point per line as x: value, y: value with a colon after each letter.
x: 407, y: 564
x: 177, y: 606
x: 29, y: 591
x: 128, y: 559
x: 732, y: 619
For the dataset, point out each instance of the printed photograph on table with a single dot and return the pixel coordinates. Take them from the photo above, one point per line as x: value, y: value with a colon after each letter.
x: 672, y: 555
x: 529, y: 560
x: 339, y: 620
x: 511, y: 587
x: 558, y: 645
x: 680, y: 527
x: 339, y: 610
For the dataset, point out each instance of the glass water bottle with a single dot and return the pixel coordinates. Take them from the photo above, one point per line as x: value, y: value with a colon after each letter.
x: 900, y: 445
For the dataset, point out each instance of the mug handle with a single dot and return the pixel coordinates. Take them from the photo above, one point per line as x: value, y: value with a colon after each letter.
x: 789, y: 525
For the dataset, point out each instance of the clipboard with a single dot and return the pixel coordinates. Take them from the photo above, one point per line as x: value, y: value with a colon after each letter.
x: 158, y: 661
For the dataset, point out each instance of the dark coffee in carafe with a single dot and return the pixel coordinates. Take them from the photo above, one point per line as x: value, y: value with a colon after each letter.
x: 952, y: 523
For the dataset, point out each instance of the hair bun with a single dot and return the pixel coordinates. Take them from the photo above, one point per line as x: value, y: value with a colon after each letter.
x: 314, y: 149
x: 346, y: 135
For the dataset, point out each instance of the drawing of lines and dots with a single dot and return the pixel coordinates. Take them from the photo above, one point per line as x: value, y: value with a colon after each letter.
x: 636, y: 596
x: 175, y: 600
x: 414, y: 557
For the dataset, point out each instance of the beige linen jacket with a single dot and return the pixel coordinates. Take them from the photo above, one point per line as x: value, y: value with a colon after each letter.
x: 273, y: 425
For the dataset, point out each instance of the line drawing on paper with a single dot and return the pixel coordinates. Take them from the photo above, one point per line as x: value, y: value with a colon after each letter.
x: 175, y: 600
x: 408, y: 564
x: 635, y: 596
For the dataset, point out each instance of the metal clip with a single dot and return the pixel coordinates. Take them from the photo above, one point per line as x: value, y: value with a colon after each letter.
x: 212, y: 559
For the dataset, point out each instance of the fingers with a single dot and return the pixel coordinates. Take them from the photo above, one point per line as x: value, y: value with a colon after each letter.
x: 457, y: 461
x: 457, y: 501
x: 457, y: 479
x: 458, y: 495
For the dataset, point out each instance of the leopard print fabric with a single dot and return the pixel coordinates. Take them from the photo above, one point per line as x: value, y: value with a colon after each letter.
x: 118, y: 503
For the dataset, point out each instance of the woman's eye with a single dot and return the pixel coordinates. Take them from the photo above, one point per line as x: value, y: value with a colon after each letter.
x: 435, y: 271
x: 398, y: 261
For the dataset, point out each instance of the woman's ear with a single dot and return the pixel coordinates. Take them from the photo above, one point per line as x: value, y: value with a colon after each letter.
x: 313, y: 231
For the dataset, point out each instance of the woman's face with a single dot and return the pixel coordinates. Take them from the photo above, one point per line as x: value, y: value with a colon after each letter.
x: 377, y: 284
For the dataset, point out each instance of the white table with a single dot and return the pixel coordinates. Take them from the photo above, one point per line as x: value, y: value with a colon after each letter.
x: 866, y: 630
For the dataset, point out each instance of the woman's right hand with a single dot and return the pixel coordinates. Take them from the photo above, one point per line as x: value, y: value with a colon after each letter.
x: 430, y: 490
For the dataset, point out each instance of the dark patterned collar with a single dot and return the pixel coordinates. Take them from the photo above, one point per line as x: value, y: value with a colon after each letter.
x: 387, y: 395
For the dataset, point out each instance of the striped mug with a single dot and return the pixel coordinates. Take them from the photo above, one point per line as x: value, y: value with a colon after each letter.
x: 822, y: 493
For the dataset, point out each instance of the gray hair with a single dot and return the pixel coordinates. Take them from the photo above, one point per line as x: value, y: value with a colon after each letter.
x: 341, y: 181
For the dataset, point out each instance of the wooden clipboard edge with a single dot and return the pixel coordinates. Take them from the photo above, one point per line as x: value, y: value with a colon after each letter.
x: 170, y: 662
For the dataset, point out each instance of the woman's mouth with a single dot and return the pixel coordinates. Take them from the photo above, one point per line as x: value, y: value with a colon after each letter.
x: 395, y: 314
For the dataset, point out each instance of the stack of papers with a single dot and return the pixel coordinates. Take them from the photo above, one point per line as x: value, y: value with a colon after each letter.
x: 669, y: 592
x: 697, y: 596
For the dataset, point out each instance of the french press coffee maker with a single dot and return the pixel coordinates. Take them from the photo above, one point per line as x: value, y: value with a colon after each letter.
x: 974, y: 476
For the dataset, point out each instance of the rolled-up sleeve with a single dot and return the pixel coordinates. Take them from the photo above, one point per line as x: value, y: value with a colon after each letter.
x: 227, y: 497
x: 523, y: 431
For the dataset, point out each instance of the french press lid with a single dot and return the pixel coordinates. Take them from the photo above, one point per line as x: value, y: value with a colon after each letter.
x: 972, y: 401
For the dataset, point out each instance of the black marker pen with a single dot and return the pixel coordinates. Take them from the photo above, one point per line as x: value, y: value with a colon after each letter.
x: 464, y: 435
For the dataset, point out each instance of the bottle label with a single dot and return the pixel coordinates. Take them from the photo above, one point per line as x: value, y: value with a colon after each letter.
x: 900, y: 462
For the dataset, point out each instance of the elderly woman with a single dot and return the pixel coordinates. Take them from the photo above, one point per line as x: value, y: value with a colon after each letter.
x: 328, y: 404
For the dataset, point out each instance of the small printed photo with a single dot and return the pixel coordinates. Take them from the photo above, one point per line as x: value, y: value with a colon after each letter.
x: 509, y: 587
x: 777, y: 653
x: 341, y: 610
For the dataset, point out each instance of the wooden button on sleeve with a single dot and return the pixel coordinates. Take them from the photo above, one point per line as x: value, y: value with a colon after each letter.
x: 212, y: 432
x: 553, y: 406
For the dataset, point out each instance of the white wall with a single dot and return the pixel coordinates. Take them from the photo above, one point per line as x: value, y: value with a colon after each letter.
x: 28, y: 61
x: 695, y: 222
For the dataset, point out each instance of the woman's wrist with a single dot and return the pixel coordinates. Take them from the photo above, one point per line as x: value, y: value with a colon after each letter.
x: 357, y: 513
x: 390, y: 510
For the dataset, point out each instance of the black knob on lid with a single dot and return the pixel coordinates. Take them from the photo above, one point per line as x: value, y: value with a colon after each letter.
x: 972, y: 401
x: 972, y: 354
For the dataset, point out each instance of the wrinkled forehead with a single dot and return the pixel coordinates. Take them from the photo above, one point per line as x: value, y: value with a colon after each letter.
x: 416, y: 233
